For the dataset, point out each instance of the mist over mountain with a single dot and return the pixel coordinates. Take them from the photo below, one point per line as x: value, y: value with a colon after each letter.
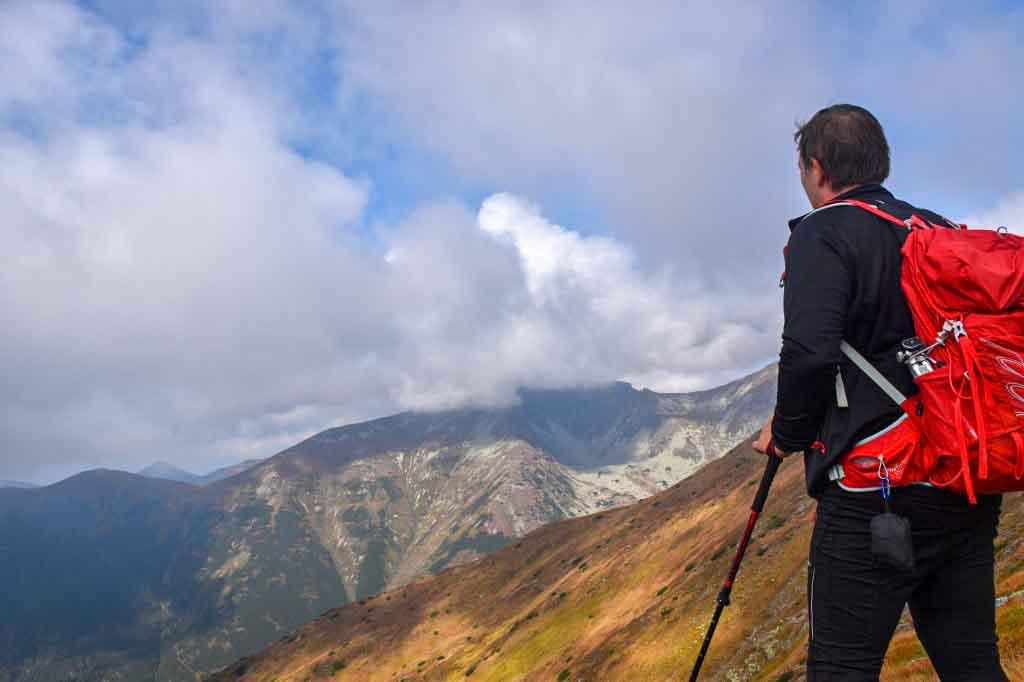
x: 17, y: 484
x: 149, y: 578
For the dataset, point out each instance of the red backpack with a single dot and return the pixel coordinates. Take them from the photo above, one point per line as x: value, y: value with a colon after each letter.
x: 965, y: 290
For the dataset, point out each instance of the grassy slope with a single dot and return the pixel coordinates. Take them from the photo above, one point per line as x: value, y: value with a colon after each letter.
x: 621, y: 595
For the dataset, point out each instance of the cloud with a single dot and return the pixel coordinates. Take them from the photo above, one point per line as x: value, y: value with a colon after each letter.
x: 182, y: 284
x: 171, y: 265
x: 1008, y: 213
x: 194, y: 271
x: 673, y: 119
x: 677, y: 120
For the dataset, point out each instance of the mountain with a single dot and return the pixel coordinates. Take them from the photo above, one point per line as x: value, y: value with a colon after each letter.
x: 16, y: 484
x: 623, y: 594
x: 193, y: 577
x: 113, y: 576
x: 396, y: 497
x: 169, y: 472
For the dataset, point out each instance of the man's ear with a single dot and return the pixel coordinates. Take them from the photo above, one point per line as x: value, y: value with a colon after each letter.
x: 818, y: 173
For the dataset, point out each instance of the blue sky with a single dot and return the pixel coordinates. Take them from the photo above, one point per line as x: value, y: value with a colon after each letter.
x: 232, y: 224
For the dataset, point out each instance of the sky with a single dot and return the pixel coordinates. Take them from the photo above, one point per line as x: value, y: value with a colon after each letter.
x: 228, y: 225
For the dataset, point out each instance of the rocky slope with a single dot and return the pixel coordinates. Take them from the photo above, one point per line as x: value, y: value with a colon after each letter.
x: 198, y: 576
x: 624, y: 594
x: 397, y: 497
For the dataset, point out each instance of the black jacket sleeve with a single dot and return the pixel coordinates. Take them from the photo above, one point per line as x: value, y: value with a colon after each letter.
x: 816, y: 300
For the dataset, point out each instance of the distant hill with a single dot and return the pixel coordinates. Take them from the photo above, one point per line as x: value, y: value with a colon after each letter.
x: 620, y: 595
x: 17, y: 484
x: 190, y: 578
x: 169, y: 472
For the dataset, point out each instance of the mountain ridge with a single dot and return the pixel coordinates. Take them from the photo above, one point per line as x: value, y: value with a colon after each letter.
x: 341, y: 516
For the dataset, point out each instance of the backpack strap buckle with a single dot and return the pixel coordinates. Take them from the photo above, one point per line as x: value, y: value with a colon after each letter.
x: 954, y: 327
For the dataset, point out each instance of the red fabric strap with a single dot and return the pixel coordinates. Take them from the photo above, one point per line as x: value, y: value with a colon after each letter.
x: 872, y: 209
x: 1018, y: 446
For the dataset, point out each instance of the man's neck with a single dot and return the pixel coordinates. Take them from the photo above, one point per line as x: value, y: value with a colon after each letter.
x: 831, y: 193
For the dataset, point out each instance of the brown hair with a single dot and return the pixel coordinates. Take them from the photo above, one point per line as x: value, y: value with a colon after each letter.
x: 848, y: 142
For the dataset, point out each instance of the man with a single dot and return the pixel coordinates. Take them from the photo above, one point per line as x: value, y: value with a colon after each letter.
x: 842, y: 282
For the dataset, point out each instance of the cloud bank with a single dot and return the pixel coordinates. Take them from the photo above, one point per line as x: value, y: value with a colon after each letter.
x: 229, y: 225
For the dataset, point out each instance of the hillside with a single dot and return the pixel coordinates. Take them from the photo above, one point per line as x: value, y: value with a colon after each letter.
x: 190, y: 578
x: 394, y: 498
x: 114, y: 576
x: 624, y: 594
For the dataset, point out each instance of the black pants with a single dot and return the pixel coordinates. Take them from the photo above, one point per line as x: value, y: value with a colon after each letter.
x: 855, y: 600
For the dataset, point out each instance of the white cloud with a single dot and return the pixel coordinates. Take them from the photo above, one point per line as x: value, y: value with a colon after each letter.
x: 180, y: 283
x: 677, y: 119
x: 1008, y: 213
x: 674, y: 118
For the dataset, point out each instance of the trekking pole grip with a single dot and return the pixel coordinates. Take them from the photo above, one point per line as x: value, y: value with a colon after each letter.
x: 766, y: 480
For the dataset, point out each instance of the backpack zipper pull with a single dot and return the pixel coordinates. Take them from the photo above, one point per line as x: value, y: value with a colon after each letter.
x: 883, y: 476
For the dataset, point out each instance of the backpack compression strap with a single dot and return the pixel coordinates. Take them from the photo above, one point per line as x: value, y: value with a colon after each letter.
x: 864, y: 365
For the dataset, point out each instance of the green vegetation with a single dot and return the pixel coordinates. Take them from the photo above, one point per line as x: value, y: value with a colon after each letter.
x: 905, y: 652
x: 564, y: 675
x: 372, y: 571
x: 1010, y: 619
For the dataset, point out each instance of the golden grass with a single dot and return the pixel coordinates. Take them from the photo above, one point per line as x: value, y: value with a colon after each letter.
x: 634, y: 612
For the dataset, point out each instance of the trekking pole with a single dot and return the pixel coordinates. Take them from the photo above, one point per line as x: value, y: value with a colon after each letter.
x: 723, y: 596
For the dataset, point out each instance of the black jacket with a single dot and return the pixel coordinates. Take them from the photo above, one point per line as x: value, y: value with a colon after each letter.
x: 842, y: 282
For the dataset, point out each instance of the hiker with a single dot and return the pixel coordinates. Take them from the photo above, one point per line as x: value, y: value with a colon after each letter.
x: 843, y: 283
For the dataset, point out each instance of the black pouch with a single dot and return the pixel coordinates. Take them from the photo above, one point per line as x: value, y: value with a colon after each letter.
x: 891, y: 540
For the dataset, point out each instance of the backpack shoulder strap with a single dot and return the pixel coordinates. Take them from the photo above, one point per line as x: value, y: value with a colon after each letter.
x: 875, y: 210
x: 914, y: 221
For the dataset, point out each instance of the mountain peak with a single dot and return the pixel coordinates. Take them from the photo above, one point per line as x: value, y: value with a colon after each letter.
x: 169, y: 472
